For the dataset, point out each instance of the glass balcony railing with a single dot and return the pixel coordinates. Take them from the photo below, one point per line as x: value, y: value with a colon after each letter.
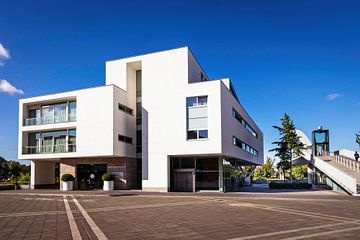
x: 49, y: 149
x: 50, y: 119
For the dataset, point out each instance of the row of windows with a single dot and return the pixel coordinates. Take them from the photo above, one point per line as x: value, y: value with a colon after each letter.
x: 125, y: 139
x: 196, y: 101
x: 237, y: 142
x: 238, y: 117
x: 197, y: 134
x: 125, y: 109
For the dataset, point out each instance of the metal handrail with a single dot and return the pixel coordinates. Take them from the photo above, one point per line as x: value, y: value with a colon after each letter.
x: 50, y: 119
x: 61, y: 148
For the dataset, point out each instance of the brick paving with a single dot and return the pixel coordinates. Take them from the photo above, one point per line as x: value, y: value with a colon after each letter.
x: 41, y: 214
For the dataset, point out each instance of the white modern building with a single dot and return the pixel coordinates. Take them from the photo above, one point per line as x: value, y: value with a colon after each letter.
x: 158, y: 124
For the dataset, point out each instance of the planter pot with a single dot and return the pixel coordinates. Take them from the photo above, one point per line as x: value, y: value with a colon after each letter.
x: 108, y: 185
x: 67, y: 186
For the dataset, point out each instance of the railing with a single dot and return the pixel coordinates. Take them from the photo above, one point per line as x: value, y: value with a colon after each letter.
x: 63, y: 148
x: 348, y: 162
x: 50, y: 119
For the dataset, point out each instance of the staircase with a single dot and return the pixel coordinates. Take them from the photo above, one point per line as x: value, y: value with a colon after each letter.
x: 342, y: 170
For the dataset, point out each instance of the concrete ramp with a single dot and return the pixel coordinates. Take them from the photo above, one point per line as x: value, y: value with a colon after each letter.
x: 341, y: 170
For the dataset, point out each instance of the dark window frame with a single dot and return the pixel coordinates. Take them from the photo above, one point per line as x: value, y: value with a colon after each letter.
x: 244, y: 123
x: 125, y: 139
x: 125, y: 109
x: 240, y: 144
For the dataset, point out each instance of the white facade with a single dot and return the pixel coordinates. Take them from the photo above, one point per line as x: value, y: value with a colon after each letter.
x: 168, y: 80
x: 96, y: 131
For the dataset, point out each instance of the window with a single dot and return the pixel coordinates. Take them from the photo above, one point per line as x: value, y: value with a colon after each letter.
x: 192, y: 134
x: 238, y: 117
x: 237, y: 142
x: 197, y: 117
x: 203, y: 133
x: 125, y: 139
x: 125, y: 109
x: 195, y: 101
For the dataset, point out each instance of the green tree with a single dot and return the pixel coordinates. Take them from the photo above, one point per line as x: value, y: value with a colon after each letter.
x: 14, y: 172
x: 265, y: 171
x: 357, y: 140
x: 299, y: 172
x: 289, y: 145
x: 4, y: 170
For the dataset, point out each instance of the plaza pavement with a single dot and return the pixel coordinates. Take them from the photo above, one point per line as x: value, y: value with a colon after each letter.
x: 51, y: 214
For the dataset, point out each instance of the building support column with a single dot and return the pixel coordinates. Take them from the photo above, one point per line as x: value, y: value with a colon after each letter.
x: 32, y: 174
x: 221, y: 175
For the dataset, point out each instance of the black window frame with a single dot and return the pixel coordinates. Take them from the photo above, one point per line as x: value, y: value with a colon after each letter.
x: 125, y: 109
x: 125, y: 139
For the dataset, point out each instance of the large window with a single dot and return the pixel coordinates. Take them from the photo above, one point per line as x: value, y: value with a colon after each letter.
x: 237, y: 142
x: 51, y: 142
x: 51, y: 113
x: 238, y: 117
x: 197, y: 117
x: 206, y: 170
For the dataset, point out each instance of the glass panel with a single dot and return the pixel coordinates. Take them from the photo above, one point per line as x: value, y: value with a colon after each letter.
x: 60, y: 113
x: 190, y: 101
x: 207, y: 180
x: 202, y: 100
x: 203, y: 134
x: 197, y: 123
x: 72, y: 111
x: 47, y: 144
x: 207, y: 164
x: 187, y: 163
x: 47, y: 114
x: 320, y: 137
x: 60, y: 144
x: 198, y: 112
x: 192, y: 135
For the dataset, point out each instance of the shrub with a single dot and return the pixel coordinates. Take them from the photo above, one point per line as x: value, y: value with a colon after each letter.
x: 67, y: 177
x: 287, y: 185
x: 108, y: 177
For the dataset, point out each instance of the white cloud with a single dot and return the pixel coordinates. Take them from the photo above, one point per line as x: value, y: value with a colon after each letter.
x: 5, y: 86
x: 333, y: 96
x: 4, y: 54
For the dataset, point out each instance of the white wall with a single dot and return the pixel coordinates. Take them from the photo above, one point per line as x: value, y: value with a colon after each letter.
x: 96, y: 131
x: 165, y: 86
x: 232, y: 127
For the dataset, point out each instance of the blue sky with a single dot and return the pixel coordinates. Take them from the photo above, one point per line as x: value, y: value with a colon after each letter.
x: 298, y: 57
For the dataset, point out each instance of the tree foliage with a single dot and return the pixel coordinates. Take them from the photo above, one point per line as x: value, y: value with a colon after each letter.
x: 13, y: 171
x: 299, y: 172
x: 357, y: 140
x: 265, y: 171
x: 289, y: 144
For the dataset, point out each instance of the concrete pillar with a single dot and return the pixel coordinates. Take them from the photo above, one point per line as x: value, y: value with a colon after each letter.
x: 221, y: 175
x: 32, y: 174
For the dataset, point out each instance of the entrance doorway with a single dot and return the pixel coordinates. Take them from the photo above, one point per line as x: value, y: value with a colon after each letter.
x: 183, y: 181
x: 89, y: 176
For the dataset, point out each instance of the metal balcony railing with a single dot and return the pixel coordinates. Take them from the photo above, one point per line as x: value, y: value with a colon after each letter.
x: 48, y: 149
x: 50, y: 119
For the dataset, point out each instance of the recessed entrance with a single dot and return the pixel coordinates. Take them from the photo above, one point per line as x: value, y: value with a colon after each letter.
x: 89, y: 176
x: 183, y: 181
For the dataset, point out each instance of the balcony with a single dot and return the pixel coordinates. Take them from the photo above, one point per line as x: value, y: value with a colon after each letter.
x: 49, y: 149
x: 50, y: 119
